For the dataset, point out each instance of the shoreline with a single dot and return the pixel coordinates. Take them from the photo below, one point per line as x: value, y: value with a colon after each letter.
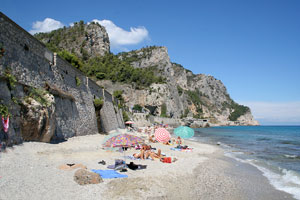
x: 30, y: 171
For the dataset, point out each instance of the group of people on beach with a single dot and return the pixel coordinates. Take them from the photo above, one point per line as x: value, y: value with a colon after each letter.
x: 146, y: 152
x: 178, y: 140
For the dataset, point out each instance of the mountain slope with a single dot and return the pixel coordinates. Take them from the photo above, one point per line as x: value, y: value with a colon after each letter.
x: 186, y: 94
x: 149, y: 80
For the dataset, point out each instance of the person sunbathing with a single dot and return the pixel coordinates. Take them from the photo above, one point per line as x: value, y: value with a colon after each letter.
x: 179, y: 140
x: 140, y: 155
x: 152, y: 139
x: 146, y: 147
x: 154, y: 155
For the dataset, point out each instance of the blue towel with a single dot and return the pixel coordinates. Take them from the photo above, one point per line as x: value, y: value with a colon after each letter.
x: 175, y: 149
x: 109, y: 173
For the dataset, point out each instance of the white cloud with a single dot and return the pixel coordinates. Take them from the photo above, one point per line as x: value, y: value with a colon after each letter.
x: 45, y: 26
x: 275, y: 112
x: 119, y: 37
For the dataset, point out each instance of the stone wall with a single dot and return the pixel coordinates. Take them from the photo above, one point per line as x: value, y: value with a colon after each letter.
x: 34, y: 65
x: 163, y: 120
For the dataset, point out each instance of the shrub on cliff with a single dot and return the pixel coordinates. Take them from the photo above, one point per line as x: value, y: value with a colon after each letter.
x: 110, y: 67
x: 11, y: 78
x: 125, y: 116
x: 163, y: 110
x: 4, y: 110
x: 238, y: 110
x: 137, y: 107
x: 180, y: 90
x: 98, y: 103
x: 71, y: 58
x: 40, y: 95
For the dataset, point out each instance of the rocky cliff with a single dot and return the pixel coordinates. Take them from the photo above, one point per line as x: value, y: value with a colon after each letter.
x: 84, y: 40
x: 184, y: 94
x: 178, y: 94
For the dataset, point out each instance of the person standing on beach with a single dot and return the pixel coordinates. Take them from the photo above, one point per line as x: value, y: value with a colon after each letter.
x: 149, y: 131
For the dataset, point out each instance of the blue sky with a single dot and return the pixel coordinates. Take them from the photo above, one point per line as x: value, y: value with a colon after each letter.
x: 252, y: 46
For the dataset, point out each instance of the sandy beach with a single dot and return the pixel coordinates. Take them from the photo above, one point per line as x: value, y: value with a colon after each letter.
x: 30, y: 171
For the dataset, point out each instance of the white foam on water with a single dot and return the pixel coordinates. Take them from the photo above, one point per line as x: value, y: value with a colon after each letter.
x: 288, y: 181
x: 284, y: 180
x: 290, y: 156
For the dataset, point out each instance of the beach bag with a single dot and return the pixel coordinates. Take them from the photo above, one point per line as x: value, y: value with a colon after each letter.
x: 119, y: 164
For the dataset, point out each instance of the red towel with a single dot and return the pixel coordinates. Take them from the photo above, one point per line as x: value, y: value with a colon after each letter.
x: 5, y: 123
x: 167, y: 160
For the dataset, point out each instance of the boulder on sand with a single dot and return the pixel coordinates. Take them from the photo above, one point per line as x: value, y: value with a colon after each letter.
x: 84, y: 177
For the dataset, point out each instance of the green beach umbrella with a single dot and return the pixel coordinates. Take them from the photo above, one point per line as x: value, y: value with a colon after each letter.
x: 184, y: 132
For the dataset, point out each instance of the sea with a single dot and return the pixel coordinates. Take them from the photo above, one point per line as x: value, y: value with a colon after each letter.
x: 274, y: 150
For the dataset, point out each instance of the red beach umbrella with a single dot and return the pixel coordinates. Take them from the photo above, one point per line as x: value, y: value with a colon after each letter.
x: 129, y: 122
x: 162, y: 135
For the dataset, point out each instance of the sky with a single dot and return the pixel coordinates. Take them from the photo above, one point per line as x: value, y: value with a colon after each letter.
x: 252, y: 46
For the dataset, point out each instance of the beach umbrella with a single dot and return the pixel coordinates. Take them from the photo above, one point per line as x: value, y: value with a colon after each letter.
x: 129, y: 122
x: 123, y: 140
x: 184, y: 132
x: 162, y: 135
x: 110, y: 136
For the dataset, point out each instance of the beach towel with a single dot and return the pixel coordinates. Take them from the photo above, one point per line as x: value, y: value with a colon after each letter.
x: 5, y: 123
x: 109, y: 173
x: 133, y: 158
x: 166, y: 160
x: 179, y: 149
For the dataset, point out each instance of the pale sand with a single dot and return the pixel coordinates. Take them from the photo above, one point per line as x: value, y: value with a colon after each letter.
x: 30, y: 171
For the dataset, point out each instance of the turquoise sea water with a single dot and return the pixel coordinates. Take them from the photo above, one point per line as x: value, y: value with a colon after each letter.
x: 275, y: 150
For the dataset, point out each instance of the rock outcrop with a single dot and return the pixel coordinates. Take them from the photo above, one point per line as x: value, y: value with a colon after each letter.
x: 197, y: 96
x: 85, y: 40
x: 184, y: 94
x: 38, y: 121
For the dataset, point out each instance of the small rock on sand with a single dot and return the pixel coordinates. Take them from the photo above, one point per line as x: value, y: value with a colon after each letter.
x: 83, y: 177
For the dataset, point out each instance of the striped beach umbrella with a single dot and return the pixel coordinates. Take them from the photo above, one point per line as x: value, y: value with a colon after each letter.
x: 129, y: 122
x: 184, y: 132
x: 162, y: 135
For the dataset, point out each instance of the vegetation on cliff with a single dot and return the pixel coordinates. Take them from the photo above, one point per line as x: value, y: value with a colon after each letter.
x: 54, y: 39
x: 238, y: 110
x: 4, y: 110
x: 98, y: 103
x: 203, y: 95
x: 110, y: 67
x: 137, y: 55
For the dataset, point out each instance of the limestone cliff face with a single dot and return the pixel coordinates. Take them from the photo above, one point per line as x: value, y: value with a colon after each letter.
x: 184, y: 93
x: 85, y: 40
